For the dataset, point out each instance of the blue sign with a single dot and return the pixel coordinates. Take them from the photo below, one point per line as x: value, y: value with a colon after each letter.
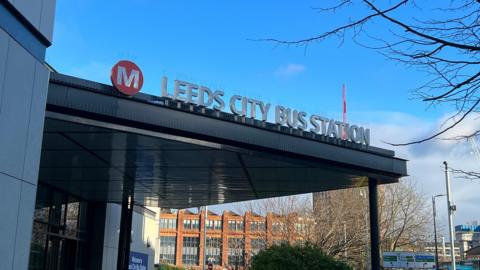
x: 138, y: 261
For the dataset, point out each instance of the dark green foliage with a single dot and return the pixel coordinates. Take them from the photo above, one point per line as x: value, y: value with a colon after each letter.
x: 169, y: 267
x: 287, y: 257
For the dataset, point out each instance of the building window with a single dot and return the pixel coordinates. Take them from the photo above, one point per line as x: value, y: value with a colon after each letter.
x: 301, y: 228
x: 190, y: 250
x: 214, y: 250
x: 59, y: 216
x: 236, y: 250
x: 277, y: 227
x: 214, y: 225
x: 168, y: 223
x: 279, y: 242
x: 190, y: 224
x: 235, y: 225
x: 167, y: 249
x: 257, y: 244
x: 257, y: 226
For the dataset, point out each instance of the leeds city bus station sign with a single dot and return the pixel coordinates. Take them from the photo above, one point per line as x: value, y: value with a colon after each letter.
x: 128, y: 79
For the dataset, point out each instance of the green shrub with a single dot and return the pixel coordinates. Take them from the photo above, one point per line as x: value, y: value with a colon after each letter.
x: 169, y: 267
x: 285, y: 256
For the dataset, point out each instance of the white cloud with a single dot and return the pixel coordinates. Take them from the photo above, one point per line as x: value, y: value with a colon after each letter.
x: 425, y: 165
x: 289, y: 70
x: 425, y: 160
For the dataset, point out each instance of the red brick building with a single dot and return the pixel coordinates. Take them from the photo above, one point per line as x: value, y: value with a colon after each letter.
x: 232, y: 239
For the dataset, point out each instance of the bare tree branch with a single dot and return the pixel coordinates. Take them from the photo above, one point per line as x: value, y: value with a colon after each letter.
x: 441, y: 39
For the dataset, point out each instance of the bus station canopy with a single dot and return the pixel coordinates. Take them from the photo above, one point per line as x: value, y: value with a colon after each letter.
x: 97, y: 142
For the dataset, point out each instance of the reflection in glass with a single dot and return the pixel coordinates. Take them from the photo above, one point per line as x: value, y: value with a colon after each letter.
x: 59, y: 235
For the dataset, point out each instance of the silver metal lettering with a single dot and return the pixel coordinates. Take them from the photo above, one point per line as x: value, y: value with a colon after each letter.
x: 365, y: 136
x: 264, y: 110
x: 191, y: 93
x: 244, y: 106
x: 217, y: 96
x: 164, y: 87
x: 179, y: 90
x: 233, y: 108
x: 354, y: 134
x: 253, y: 107
x: 280, y: 117
x: 313, y: 120
x: 323, y: 123
x: 201, y: 96
x: 292, y: 120
x: 346, y: 128
x: 339, y: 129
x: 301, y: 118
x: 332, y: 129
x: 123, y: 78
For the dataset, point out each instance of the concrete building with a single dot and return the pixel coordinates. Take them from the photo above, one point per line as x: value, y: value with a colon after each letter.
x: 26, y: 30
x: 443, y: 250
x: 468, y: 237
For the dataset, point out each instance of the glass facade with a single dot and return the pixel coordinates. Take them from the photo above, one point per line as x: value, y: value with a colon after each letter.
x: 214, y: 250
x: 190, y: 251
x: 230, y: 243
x: 59, y: 233
x: 236, y: 251
x: 168, y: 223
x: 214, y: 225
x: 257, y: 244
x: 235, y: 225
x: 168, y: 245
x: 257, y: 226
x: 278, y: 227
x: 300, y: 228
x: 191, y: 224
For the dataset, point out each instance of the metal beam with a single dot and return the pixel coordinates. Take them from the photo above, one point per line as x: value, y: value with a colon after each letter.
x: 125, y: 230
x: 374, y: 224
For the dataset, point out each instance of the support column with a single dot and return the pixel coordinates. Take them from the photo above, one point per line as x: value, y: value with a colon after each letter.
x: 374, y: 230
x: 125, y: 231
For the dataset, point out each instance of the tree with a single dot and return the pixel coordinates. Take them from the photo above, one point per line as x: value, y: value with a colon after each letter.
x: 439, y: 38
x: 289, y: 214
x: 405, y: 217
x: 338, y: 221
x: 285, y: 256
x: 342, y: 224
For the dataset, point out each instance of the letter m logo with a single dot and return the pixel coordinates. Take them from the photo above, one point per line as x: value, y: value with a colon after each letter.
x: 127, y: 77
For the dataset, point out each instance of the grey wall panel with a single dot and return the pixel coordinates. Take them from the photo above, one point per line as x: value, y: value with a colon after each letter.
x: 110, y: 242
x: 31, y: 10
x: 35, y: 127
x: 4, y: 43
x: 46, y: 21
x: 9, y: 204
x: 23, y: 89
x: 15, y: 113
x: 24, y: 226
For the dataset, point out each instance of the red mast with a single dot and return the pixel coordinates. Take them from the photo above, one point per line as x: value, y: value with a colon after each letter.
x: 344, y: 94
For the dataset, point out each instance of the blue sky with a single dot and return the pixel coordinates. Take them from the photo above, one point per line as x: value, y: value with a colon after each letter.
x: 210, y: 43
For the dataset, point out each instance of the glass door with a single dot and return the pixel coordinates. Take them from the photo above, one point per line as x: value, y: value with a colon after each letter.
x: 59, y: 235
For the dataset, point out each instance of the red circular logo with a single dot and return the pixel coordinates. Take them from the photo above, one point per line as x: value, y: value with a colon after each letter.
x: 127, y: 77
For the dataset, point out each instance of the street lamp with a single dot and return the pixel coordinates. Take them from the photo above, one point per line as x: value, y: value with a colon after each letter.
x: 435, y: 227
